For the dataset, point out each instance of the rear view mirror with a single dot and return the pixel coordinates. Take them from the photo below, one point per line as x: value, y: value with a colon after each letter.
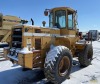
x: 46, y: 13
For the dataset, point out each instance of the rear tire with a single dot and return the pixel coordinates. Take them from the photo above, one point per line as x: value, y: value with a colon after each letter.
x: 58, y: 64
x: 85, y: 57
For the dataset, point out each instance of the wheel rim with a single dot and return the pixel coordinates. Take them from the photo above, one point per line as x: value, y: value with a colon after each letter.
x: 64, y: 66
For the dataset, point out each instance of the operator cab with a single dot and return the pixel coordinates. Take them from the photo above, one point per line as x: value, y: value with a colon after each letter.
x: 62, y: 17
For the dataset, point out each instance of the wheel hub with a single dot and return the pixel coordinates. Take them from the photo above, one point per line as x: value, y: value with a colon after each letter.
x: 64, y: 66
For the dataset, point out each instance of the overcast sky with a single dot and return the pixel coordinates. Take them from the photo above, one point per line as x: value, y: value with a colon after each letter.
x: 88, y: 10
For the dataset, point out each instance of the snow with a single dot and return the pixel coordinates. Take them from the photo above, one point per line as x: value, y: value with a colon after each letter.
x: 99, y: 40
x: 13, y: 74
x: 25, y: 51
x: 1, y: 50
x: 3, y: 43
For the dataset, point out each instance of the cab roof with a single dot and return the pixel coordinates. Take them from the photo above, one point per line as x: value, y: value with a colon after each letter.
x: 68, y: 8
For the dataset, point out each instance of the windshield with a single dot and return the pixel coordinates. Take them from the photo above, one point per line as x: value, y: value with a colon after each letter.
x: 60, y: 19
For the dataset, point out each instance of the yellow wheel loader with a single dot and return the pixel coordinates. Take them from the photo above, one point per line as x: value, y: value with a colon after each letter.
x: 50, y: 48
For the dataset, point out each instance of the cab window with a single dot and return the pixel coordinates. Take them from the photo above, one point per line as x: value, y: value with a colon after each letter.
x: 70, y: 20
x: 60, y: 19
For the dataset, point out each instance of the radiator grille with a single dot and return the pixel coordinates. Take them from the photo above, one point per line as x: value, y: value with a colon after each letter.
x: 17, y: 37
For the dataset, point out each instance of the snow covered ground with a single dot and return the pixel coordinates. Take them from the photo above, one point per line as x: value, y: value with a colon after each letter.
x: 13, y: 74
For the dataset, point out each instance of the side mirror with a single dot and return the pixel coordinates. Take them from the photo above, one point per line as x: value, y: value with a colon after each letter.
x: 46, y: 13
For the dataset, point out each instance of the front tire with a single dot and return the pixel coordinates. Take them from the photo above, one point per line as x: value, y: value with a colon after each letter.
x: 58, y: 64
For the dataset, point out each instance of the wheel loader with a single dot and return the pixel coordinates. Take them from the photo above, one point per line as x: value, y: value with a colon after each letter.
x: 50, y: 48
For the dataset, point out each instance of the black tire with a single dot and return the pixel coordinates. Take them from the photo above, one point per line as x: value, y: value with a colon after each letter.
x: 12, y: 61
x: 85, y: 57
x: 54, y: 68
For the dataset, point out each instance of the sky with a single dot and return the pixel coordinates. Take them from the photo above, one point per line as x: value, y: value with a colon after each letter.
x: 88, y: 10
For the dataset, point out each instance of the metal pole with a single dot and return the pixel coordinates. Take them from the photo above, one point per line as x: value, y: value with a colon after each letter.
x: 91, y: 38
